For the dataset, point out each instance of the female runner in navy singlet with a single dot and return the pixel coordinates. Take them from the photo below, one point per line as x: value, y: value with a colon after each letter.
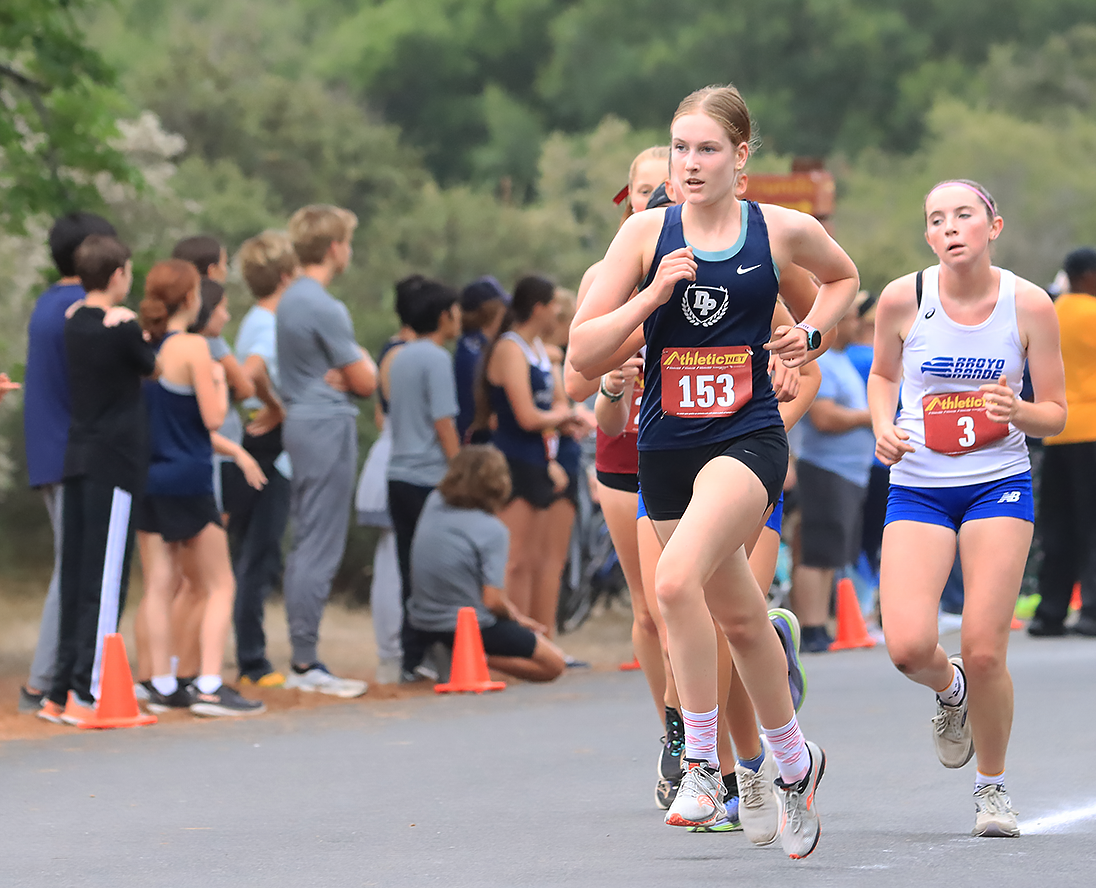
x: 713, y: 453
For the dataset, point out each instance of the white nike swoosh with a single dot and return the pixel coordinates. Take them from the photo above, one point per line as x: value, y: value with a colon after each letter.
x: 742, y: 270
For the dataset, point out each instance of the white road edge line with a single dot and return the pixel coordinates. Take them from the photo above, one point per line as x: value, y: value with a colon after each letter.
x: 1055, y: 822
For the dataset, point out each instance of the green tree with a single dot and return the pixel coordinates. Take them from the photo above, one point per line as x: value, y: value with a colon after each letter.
x: 58, y: 104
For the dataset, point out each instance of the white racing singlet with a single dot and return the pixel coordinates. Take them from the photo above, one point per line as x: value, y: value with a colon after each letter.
x: 943, y: 364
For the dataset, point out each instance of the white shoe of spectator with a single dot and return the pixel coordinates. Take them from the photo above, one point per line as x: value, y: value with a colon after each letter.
x: 317, y: 678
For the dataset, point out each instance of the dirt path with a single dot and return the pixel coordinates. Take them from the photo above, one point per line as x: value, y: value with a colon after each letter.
x: 346, y: 645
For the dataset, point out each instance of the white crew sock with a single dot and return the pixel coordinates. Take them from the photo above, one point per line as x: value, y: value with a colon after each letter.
x: 208, y: 684
x: 982, y: 780
x: 165, y: 684
x: 954, y: 693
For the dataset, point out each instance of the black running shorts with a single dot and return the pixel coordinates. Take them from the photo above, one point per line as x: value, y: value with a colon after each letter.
x: 666, y: 476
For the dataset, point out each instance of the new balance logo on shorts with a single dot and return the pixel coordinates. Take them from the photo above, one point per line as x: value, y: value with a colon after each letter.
x: 1013, y: 496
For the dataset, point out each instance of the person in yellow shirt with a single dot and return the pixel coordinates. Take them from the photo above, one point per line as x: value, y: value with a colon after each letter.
x: 1067, y: 506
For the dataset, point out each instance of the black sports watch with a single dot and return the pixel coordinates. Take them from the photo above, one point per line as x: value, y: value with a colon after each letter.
x: 814, y: 338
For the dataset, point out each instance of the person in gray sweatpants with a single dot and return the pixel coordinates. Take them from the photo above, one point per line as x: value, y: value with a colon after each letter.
x: 321, y: 366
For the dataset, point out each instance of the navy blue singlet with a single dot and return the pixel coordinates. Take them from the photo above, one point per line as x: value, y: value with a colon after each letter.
x: 509, y: 437
x: 182, y: 453
x: 730, y: 303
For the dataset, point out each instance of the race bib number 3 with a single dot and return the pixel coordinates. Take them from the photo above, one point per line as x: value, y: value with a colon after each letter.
x: 957, y: 423
x: 706, y: 382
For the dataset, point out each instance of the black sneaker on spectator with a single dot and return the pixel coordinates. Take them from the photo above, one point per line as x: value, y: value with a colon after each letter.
x: 180, y: 698
x: 222, y: 702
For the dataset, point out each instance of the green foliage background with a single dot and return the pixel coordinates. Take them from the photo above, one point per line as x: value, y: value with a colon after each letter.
x: 488, y: 136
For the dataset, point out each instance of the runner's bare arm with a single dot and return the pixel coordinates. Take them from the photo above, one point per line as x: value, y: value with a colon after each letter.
x: 896, y: 309
x: 1046, y: 415
x: 509, y: 365
x: 577, y: 386
x: 612, y: 416
x: 810, y: 379
x: 607, y: 317
x: 799, y: 239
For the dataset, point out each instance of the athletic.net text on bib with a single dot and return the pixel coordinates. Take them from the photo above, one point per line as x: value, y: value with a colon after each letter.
x: 956, y: 423
x: 706, y: 382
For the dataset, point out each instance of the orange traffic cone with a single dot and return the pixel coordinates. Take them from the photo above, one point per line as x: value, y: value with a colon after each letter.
x: 117, y: 703
x: 630, y: 667
x: 1075, y: 599
x: 469, y: 669
x: 851, y: 631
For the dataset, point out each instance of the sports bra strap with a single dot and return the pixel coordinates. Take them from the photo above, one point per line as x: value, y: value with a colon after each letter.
x: 919, y: 284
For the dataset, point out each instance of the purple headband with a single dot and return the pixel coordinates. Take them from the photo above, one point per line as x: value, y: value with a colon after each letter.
x: 992, y: 209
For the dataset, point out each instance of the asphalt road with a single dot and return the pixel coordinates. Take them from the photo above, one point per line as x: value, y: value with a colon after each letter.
x: 544, y: 786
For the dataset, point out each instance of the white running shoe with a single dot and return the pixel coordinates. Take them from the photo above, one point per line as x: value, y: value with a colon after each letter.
x: 994, y: 815
x: 699, y: 800
x: 317, y: 678
x: 951, y: 729
x: 758, y: 808
x: 799, y: 823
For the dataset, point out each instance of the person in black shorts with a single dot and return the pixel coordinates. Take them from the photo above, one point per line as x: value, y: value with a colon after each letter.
x: 181, y: 533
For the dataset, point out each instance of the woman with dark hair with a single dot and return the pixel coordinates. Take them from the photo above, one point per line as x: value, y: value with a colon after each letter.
x: 459, y: 560
x: 180, y: 533
x: 517, y: 386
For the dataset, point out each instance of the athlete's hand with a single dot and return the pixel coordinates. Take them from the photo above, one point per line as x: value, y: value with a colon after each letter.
x: 616, y: 380
x: 6, y: 385
x: 891, y: 445
x: 1000, y: 400
x: 678, y: 265
x: 335, y: 378
x: 266, y: 419
x: 785, y: 380
x: 790, y: 345
x: 530, y: 624
x: 254, y: 475
x: 558, y: 476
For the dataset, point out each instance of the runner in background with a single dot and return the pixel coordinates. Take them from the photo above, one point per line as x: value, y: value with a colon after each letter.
x: 952, y: 341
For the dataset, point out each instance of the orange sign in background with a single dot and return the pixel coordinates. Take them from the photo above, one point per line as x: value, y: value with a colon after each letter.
x: 809, y: 192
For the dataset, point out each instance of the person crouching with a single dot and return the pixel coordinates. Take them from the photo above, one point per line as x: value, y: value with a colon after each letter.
x: 458, y: 559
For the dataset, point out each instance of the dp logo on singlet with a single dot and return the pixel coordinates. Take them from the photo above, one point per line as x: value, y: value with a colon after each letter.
x: 703, y: 305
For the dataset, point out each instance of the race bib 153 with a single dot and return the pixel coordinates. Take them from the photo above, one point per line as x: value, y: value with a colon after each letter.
x: 706, y: 382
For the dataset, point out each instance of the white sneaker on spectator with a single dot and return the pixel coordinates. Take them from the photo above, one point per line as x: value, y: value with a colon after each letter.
x: 317, y: 678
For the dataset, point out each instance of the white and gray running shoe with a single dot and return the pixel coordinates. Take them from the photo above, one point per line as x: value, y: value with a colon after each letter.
x: 994, y: 815
x: 951, y: 729
x: 699, y: 800
x: 758, y: 808
x: 317, y: 678
x: 799, y: 823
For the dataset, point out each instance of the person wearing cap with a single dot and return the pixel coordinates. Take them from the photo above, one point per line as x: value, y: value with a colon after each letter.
x: 483, y: 303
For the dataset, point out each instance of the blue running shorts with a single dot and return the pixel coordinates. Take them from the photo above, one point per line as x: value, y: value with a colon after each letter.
x: 641, y: 509
x: 776, y: 520
x: 952, y: 506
